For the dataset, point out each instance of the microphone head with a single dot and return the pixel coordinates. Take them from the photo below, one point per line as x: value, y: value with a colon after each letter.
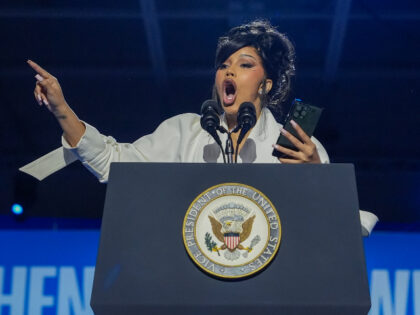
x: 210, y: 105
x: 247, y: 116
x: 209, y: 115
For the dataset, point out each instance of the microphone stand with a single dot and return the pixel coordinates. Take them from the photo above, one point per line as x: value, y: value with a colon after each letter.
x: 229, y: 145
x: 229, y: 148
x: 237, y: 128
x: 238, y: 142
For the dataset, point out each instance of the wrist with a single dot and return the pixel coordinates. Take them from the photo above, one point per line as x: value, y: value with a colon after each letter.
x: 61, y: 110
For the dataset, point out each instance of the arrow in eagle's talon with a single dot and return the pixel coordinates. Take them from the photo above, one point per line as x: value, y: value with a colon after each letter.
x: 216, y: 249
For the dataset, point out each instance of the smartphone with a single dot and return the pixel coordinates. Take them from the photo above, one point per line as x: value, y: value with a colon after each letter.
x: 306, y: 116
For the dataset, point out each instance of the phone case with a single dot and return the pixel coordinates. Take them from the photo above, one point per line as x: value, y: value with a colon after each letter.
x: 306, y: 116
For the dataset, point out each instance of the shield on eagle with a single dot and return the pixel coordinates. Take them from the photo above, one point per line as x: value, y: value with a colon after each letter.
x: 232, y: 240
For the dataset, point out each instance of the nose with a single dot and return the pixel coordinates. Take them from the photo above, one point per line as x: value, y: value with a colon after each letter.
x: 230, y: 73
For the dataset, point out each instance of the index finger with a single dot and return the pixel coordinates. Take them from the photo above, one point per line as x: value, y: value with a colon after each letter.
x: 39, y: 69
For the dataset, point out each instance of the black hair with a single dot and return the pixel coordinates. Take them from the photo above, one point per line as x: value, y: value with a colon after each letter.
x: 275, y: 50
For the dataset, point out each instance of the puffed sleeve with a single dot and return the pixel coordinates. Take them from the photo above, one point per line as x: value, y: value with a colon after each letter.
x: 323, y: 155
x: 166, y: 144
x: 170, y: 142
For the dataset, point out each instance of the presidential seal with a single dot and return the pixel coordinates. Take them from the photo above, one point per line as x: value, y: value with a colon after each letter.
x: 231, y: 230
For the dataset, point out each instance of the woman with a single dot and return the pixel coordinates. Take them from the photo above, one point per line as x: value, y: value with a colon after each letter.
x: 254, y: 63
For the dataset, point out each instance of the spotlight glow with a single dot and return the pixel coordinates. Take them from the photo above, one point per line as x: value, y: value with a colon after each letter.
x: 17, y: 209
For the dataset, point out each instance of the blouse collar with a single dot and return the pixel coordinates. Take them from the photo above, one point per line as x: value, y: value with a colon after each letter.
x: 259, y: 132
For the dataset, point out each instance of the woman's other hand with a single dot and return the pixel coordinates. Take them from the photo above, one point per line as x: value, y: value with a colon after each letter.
x: 47, y: 89
x: 307, y: 152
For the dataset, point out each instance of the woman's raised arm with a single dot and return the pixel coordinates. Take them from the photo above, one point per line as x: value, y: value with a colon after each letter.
x: 48, y: 92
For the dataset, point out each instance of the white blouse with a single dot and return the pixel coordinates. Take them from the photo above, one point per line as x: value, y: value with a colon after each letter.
x: 177, y: 139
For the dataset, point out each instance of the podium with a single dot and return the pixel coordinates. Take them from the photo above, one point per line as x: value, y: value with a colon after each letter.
x: 143, y: 266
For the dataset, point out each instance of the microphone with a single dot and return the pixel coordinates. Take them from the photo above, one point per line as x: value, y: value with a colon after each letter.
x: 247, y: 117
x: 210, y: 120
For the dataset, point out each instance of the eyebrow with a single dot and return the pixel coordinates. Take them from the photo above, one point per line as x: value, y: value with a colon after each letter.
x: 246, y: 55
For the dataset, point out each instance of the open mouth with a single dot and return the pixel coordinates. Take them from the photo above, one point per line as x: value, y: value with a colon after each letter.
x: 229, y: 92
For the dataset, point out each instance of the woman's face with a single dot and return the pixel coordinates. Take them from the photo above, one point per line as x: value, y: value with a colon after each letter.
x: 239, y: 79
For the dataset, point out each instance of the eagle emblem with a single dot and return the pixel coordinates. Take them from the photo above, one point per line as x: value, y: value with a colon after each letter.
x: 231, y: 230
x: 232, y: 225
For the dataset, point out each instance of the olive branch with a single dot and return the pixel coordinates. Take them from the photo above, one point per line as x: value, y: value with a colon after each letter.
x: 211, y: 245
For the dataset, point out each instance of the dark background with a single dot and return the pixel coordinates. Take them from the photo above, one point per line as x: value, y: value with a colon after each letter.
x: 125, y: 66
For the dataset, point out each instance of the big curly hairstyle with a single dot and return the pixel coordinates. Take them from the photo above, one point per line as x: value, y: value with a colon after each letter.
x: 276, y: 52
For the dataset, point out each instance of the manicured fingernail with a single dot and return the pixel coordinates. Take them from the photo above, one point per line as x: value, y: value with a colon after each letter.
x: 46, y: 102
x: 284, y: 131
x: 293, y: 123
x: 39, y: 97
x: 39, y: 77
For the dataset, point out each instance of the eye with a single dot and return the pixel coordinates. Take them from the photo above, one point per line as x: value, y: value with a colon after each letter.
x: 247, y: 65
x: 222, y: 66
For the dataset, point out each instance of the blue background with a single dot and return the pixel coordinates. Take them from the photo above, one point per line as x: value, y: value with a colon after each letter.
x: 78, y: 248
